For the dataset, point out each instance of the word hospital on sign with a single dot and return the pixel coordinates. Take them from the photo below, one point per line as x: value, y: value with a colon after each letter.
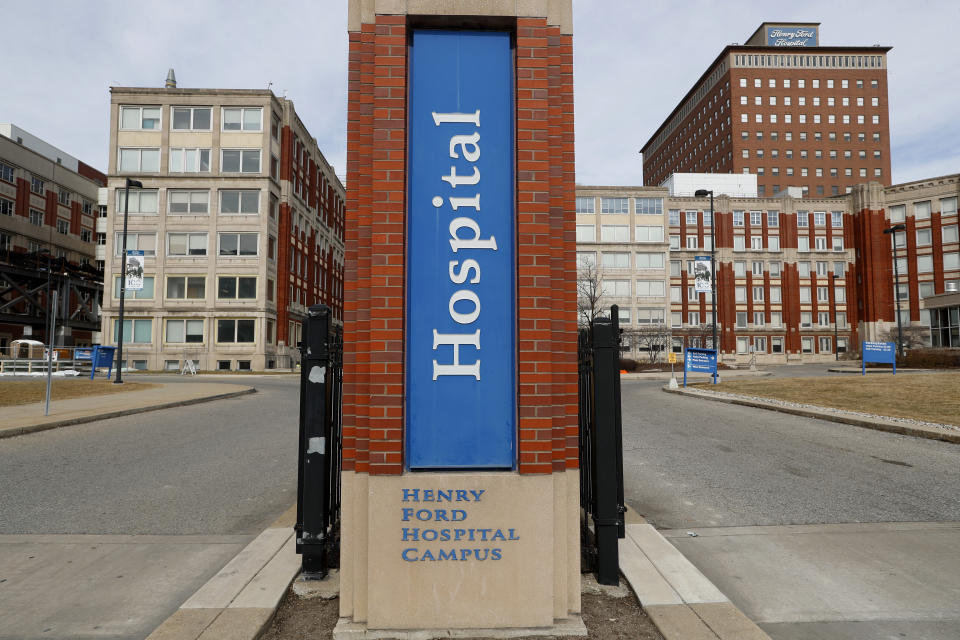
x: 464, y: 304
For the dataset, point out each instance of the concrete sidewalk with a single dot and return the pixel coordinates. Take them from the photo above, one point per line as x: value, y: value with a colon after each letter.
x: 29, y: 418
x: 680, y: 600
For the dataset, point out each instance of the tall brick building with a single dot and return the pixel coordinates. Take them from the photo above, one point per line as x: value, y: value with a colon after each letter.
x: 240, y: 220
x: 785, y: 108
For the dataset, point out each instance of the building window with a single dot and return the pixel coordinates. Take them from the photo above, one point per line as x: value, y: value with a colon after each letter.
x: 649, y: 261
x: 676, y: 267
x: 189, y: 160
x: 140, y: 118
x: 241, y: 202
x: 774, y: 269
x: 135, y: 330
x: 141, y: 294
x: 738, y: 218
x: 804, y: 295
x: 236, y: 287
x: 614, y: 233
x: 181, y: 331
x: 757, y: 268
x: 758, y: 294
x: 188, y: 202
x: 775, y: 295
x: 36, y: 185
x: 948, y: 206
x: 235, y: 330
x: 820, y: 243
x: 585, y: 259
x: 948, y: 233
x: 186, y: 244
x: 693, y: 318
x: 139, y: 160
x: 740, y: 294
x: 614, y: 205
x: 238, y: 244
x: 692, y: 218
x: 756, y: 243
x: 921, y: 210
x: 776, y: 319
x: 649, y: 206
x: 141, y: 201
x: 756, y: 218
x: 146, y: 242
x: 242, y: 119
x: 585, y: 205
x: 803, y: 244
x: 586, y: 233
x: 63, y: 226
x: 806, y: 320
x: 674, y: 217
x: 650, y: 288
x: 86, y: 235
x: 63, y: 197
x: 615, y: 260
x: 692, y: 242
x: 191, y: 118
x: 758, y: 319
x: 675, y: 243
x: 649, y: 233
x: 6, y: 172
x: 739, y: 243
x: 951, y: 262
x: 741, y: 319
x: 186, y: 287
x: 773, y: 243
x: 616, y: 288
x: 240, y: 161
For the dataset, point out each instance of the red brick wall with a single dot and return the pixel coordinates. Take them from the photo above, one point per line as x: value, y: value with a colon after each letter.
x: 374, y: 269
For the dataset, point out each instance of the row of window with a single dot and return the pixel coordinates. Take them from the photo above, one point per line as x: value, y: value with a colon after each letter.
x: 951, y: 262
x: 195, y: 288
x: 921, y: 209
x: 147, y: 118
x: 39, y: 187
x: 831, y: 101
x: 642, y: 206
x: 924, y: 236
x: 194, y: 201
x: 192, y: 160
x: 845, y: 118
x: 802, y: 82
x: 195, y: 244
x: 187, y: 330
x: 818, y: 153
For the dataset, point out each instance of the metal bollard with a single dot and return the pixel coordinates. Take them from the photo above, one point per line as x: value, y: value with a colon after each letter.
x: 313, y: 492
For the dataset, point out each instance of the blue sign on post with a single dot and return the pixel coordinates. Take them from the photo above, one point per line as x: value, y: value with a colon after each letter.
x: 878, y: 352
x: 102, y: 357
x: 461, y: 264
x: 703, y: 360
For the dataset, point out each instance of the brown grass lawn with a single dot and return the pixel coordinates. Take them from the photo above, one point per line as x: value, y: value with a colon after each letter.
x: 934, y: 397
x: 15, y: 392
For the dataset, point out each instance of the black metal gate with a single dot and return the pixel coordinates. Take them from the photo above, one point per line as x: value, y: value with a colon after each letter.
x: 318, y: 478
x: 601, y: 446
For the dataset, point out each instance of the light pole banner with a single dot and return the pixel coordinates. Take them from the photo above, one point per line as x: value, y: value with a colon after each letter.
x: 133, y: 271
x: 461, y: 265
x: 702, y: 274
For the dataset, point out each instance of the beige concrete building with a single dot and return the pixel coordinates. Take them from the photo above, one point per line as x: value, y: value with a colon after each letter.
x: 240, y: 220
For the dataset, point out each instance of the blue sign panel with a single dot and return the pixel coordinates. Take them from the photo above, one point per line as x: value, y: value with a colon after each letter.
x: 792, y: 36
x: 878, y: 352
x: 461, y: 264
x: 703, y: 360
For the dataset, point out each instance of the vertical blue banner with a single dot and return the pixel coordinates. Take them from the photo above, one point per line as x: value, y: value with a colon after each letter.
x: 461, y: 263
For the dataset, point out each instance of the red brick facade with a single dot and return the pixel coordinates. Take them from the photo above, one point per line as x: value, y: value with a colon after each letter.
x: 373, y: 403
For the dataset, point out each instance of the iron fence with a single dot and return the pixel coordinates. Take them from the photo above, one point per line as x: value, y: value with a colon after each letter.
x: 318, y: 486
x: 601, y: 448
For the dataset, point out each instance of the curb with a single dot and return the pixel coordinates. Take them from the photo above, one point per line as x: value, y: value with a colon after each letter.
x: 240, y: 601
x: 878, y: 424
x: 680, y: 601
x: 10, y: 432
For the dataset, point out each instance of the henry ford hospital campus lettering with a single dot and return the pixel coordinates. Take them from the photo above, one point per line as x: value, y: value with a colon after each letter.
x: 463, y: 542
x: 466, y: 271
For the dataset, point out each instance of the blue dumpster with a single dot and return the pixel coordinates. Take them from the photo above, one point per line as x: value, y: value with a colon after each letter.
x: 102, y: 357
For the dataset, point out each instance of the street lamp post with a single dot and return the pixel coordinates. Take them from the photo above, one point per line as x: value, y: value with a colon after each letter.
x: 701, y: 193
x: 896, y: 276
x: 123, y: 276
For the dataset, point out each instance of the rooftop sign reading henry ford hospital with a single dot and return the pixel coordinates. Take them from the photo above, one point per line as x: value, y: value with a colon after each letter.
x: 461, y: 355
x: 792, y: 36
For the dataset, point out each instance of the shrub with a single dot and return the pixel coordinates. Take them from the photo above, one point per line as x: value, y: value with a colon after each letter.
x: 628, y: 364
x: 931, y: 359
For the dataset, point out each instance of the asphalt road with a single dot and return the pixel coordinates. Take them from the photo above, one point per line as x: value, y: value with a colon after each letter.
x: 858, y: 529
x: 691, y: 462
x: 107, y: 527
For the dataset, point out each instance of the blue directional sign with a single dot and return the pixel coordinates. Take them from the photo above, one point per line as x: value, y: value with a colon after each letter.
x: 461, y: 265
x: 878, y: 352
x: 703, y: 360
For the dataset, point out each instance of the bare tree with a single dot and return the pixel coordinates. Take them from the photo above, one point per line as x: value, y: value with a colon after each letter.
x: 914, y: 336
x: 654, y: 339
x: 589, y: 291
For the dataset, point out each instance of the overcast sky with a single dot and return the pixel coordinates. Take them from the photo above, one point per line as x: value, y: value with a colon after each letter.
x: 633, y: 61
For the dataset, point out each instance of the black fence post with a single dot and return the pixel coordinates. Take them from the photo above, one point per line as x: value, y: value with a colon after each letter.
x: 313, y: 490
x: 607, y: 460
